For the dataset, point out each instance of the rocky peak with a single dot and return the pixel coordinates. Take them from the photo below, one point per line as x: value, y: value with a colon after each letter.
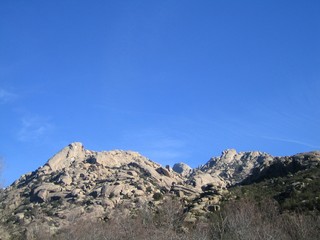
x: 233, y: 166
x: 75, y: 154
x: 66, y: 156
x: 228, y: 155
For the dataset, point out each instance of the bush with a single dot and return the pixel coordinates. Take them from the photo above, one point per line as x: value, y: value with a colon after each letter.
x: 243, y: 219
x: 157, y: 196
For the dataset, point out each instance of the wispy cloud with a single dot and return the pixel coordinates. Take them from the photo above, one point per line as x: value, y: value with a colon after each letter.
x: 291, y: 141
x: 34, y: 128
x: 6, y: 96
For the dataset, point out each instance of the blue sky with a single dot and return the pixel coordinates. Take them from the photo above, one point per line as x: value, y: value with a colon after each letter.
x: 173, y: 80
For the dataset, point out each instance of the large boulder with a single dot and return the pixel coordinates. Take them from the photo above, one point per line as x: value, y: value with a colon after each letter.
x: 182, y: 169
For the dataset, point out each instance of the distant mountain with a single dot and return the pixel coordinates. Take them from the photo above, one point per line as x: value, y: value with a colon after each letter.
x: 84, y: 184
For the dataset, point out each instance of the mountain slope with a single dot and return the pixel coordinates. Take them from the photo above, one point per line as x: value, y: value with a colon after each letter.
x: 77, y: 183
x: 88, y: 183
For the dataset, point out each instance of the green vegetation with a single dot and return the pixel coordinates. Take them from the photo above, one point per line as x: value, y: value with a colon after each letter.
x: 157, y: 196
x: 298, y: 192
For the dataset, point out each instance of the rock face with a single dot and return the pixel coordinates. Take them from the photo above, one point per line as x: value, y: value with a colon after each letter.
x: 182, y: 168
x: 84, y: 181
x: 83, y: 184
x: 64, y: 158
x: 232, y: 167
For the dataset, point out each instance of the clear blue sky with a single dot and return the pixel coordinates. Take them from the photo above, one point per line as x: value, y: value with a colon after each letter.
x: 173, y: 80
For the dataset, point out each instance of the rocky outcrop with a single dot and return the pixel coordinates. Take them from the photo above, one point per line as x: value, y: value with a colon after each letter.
x: 80, y: 183
x: 77, y: 179
x: 182, y: 169
x: 232, y: 167
x: 64, y: 158
x: 282, y: 166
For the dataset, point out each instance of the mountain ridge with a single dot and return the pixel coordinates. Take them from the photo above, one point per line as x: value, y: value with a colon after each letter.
x: 93, y: 184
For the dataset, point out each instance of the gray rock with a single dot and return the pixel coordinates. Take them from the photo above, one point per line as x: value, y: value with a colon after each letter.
x: 95, y: 183
x: 182, y: 169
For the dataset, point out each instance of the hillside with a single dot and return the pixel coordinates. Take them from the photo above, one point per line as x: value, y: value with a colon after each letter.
x: 86, y: 185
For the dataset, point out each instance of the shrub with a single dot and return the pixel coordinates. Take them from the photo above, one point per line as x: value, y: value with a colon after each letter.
x: 242, y: 219
x: 157, y: 196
